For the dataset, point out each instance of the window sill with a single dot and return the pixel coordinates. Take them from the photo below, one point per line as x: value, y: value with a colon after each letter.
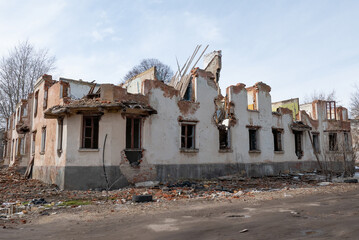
x: 133, y: 149
x: 279, y: 152
x: 225, y: 150
x: 254, y: 151
x: 189, y: 150
x: 89, y: 150
x: 42, y: 153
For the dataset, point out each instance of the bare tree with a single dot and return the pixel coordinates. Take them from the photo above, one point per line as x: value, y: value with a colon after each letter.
x: 331, y: 96
x: 164, y: 72
x: 354, y: 102
x: 18, y: 73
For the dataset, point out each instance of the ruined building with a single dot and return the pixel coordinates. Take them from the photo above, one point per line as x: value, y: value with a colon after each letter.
x: 82, y: 135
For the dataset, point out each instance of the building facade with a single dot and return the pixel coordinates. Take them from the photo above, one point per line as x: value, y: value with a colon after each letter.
x: 84, y: 135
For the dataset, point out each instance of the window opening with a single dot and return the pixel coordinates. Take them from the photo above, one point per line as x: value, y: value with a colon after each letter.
x: 90, y: 132
x: 36, y: 103
x: 60, y: 127
x: 316, y: 145
x: 43, y: 139
x: 224, y: 138
x: 188, y: 136
x: 133, y: 133
x: 277, y: 137
x: 333, y: 146
x: 253, y: 144
x: 331, y: 110
x: 298, y: 144
x: 346, y: 141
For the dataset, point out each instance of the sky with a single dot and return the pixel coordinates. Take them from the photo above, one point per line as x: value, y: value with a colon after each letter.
x: 296, y: 47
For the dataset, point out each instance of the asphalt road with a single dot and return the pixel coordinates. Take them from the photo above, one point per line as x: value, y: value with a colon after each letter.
x: 325, y: 216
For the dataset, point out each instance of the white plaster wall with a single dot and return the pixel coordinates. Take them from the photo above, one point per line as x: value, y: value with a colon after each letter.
x: 162, y: 130
x: 112, y: 124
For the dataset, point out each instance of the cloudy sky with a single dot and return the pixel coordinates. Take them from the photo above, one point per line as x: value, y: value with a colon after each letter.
x: 294, y: 46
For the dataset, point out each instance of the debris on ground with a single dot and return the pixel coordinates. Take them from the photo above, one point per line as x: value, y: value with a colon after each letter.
x: 21, y: 198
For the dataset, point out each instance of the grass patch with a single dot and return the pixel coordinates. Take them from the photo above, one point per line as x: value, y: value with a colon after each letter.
x: 74, y: 203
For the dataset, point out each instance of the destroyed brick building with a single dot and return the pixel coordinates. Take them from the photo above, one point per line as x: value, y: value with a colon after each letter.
x: 82, y: 135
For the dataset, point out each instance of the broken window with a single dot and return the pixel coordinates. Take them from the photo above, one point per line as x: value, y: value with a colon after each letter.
x: 17, y: 147
x: 316, y: 145
x: 333, y: 146
x: 90, y: 132
x: 224, y: 140
x: 33, y: 143
x: 21, y: 146
x: 45, y: 98
x: 43, y: 139
x: 252, y: 99
x: 12, y: 148
x: 24, y: 110
x: 253, y: 143
x: 36, y: 102
x: 4, y: 150
x: 188, y: 136
x: 133, y: 133
x: 298, y: 143
x: 346, y: 141
x: 60, y: 127
x: 277, y: 137
x: 188, y: 94
x: 18, y: 115
x: 331, y: 110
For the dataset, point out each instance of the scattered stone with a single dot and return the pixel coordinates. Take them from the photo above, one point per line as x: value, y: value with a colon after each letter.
x: 324, y: 183
x: 243, y: 231
x: 147, y: 184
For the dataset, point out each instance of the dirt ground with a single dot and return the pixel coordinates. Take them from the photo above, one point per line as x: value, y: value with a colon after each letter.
x: 231, y: 208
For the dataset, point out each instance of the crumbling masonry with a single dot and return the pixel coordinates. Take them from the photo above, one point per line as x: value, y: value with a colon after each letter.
x: 67, y: 131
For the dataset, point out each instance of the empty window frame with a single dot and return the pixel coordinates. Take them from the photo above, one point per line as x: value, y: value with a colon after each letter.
x: 316, y: 144
x: 36, y: 102
x: 4, y: 150
x: 224, y: 138
x: 188, y: 135
x: 346, y: 141
x: 18, y: 115
x: 133, y: 133
x: 17, y: 152
x: 24, y: 111
x: 253, y: 139
x: 331, y: 110
x: 60, y: 127
x: 45, y: 98
x: 188, y: 94
x: 90, y: 129
x: 43, y: 139
x: 21, y: 146
x: 33, y: 142
x: 12, y: 148
x: 277, y: 139
x: 333, y: 144
x: 298, y: 143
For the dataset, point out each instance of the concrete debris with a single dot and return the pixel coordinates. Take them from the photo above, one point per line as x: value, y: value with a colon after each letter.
x: 147, y: 184
x: 22, y: 198
x: 324, y: 183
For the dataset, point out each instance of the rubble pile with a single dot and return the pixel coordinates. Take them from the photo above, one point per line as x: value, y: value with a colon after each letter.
x: 20, y: 197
